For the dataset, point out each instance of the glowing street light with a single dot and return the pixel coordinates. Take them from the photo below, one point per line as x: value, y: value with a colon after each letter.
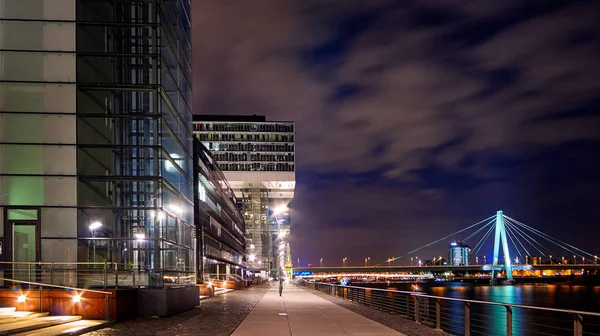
x: 279, y: 210
x: 252, y: 257
x: 95, y: 226
x: 139, y: 236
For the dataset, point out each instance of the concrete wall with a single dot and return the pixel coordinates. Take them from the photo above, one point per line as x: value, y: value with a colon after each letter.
x: 167, y: 301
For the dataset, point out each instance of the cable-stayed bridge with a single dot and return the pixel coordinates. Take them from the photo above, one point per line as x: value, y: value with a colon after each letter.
x: 517, y: 248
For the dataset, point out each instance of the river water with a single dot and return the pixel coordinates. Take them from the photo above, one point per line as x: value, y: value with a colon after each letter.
x: 491, y: 320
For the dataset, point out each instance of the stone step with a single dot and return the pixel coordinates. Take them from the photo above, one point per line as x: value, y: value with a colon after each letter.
x: 26, y: 325
x: 71, y: 328
x: 19, y: 316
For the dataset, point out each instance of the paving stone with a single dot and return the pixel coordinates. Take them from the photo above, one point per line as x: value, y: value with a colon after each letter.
x: 217, y: 316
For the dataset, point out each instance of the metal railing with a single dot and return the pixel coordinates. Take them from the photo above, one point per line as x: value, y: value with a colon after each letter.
x: 468, y: 317
x: 90, y: 274
x: 75, y: 289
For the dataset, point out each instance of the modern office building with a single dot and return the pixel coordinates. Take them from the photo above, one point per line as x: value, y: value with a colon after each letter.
x: 96, y: 137
x: 221, y: 244
x: 459, y: 254
x: 257, y: 158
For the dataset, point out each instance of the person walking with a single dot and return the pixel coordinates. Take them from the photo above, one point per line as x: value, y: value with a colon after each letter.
x: 280, y: 285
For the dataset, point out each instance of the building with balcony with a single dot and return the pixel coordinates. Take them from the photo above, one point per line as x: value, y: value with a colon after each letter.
x: 257, y: 158
x: 96, y: 138
x: 221, y: 243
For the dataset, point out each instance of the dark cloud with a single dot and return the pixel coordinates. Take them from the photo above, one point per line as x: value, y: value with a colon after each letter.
x: 413, y: 117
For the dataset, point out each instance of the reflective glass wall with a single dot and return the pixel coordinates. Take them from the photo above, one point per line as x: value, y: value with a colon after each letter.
x: 134, y: 137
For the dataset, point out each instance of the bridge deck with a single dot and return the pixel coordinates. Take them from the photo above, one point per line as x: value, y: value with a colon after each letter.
x: 299, y: 312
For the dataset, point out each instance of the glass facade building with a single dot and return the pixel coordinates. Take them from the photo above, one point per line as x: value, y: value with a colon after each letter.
x: 96, y: 140
x: 459, y: 254
x: 258, y: 159
x: 221, y: 227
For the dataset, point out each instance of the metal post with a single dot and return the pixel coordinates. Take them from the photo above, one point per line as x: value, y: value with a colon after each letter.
x: 577, y: 325
x: 438, y: 314
x: 133, y: 277
x: 467, y: 319
x: 106, y: 309
x: 41, y: 299
x: 509, y: 315
x: 116, y: 275
x: 52, y: 272
x: 105, y: 275
x: 417, y: 317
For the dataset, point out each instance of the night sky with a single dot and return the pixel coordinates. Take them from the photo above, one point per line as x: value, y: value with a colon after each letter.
x: 416, y: 118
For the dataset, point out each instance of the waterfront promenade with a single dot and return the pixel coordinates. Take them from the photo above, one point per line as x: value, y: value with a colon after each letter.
x: 299, y: 312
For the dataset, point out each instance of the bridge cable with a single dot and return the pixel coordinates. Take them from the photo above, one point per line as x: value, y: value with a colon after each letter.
x: 531, y: 239
x: 478, y: 230
x: 523, y: 234
x: 551, y: 239
x: 437, y: 241
x: 509, y: 229
x: 482, y: 240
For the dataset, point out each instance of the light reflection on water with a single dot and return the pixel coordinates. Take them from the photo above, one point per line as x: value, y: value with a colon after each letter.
x: 491, y: 320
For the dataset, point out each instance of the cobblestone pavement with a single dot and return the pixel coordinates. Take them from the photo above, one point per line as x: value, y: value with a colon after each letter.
x: 216, y: 316
x: 395, y: 322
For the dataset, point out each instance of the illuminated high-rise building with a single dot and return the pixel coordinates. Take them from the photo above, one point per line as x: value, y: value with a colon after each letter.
x: 96, y: 137
x: 257, y: 158
x: 459, y: 254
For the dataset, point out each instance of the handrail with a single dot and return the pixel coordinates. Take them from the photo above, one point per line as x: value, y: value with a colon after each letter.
x: 57, y: 262
x: 56, y: 286
x: 469, y: 300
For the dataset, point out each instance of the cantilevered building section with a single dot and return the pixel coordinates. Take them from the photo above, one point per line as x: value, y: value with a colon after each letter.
x: 257, y: 158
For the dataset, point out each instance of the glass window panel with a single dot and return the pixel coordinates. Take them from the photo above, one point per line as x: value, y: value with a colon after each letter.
x: 60, y: 250
x: 22, y: 214
x: 25, y: 97
x: 22, y: 35
x: 37, y: 66
x: 38, y: 9
x: 54, y: 160
x: 24, y: 241
x: 37, y: 128
x: 59, y: 222
x: 22, y: 190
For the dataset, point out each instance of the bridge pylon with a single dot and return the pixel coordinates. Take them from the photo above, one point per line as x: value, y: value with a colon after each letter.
x: 500, y: 237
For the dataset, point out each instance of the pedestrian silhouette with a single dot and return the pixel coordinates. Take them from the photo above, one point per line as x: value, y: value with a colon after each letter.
x: 280, y: 285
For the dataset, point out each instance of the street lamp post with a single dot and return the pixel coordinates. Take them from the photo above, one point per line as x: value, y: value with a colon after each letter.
x: 411, y: 261
x: 321, y: 261
x: 551, y: 259
x: 93, y: 227
x: 344, y: 262
x: 485, y: 260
